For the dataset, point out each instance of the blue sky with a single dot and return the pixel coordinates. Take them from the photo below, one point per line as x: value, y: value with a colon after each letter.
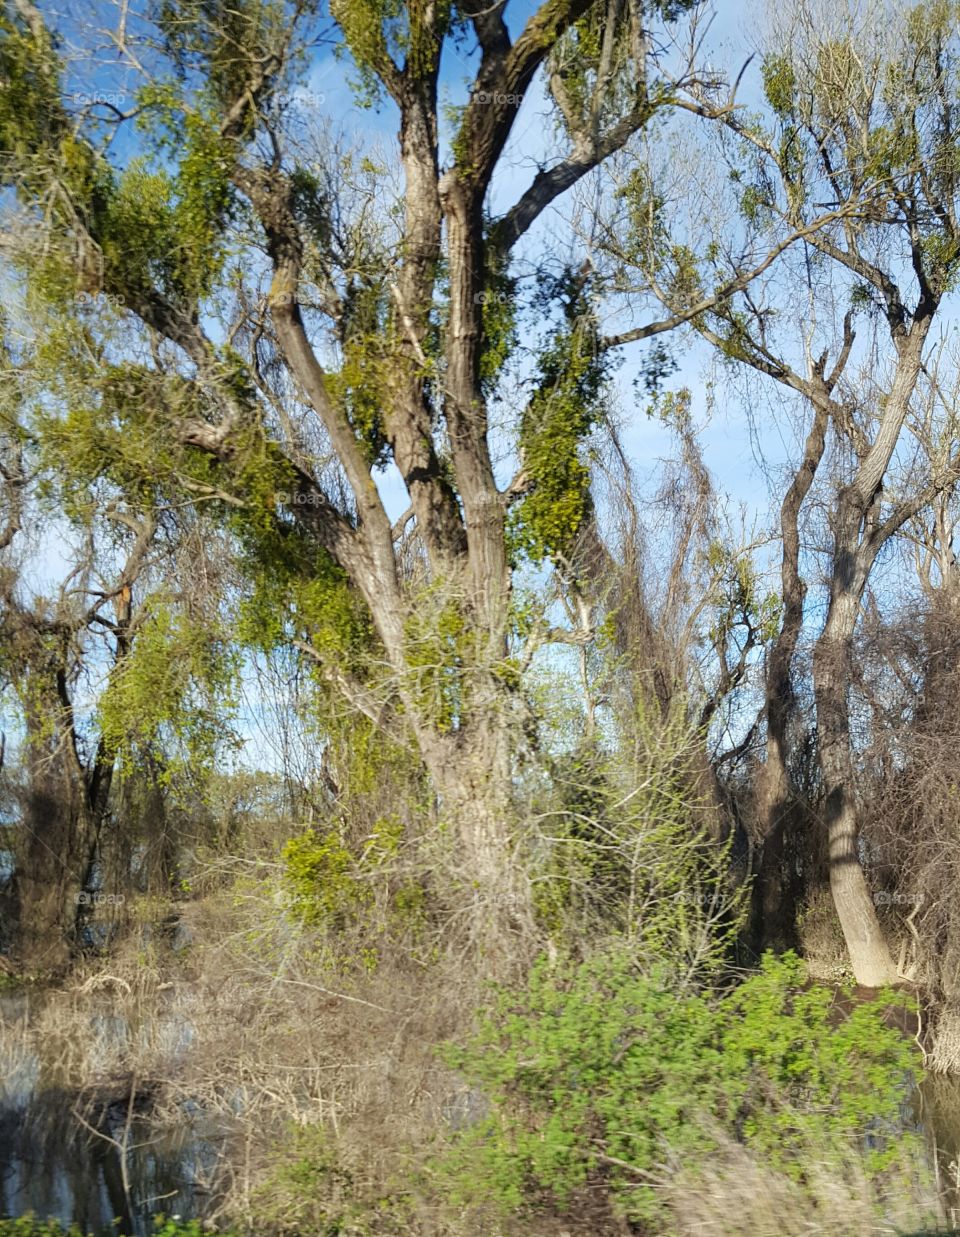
x: 743, y: 445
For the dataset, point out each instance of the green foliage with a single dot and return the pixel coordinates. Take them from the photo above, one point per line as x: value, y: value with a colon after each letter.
x: 29, y: 1226
x: 151, y: 227
x: 158, y: 229
x: 589, y: 868
x: 498, y: 318
x: 941, y: 260
x: 592, y: 67
x: 31, y: 112
x: 754, y: 205
x: 364, y: 759
x: 361, y: 383
x: 779, y: 84
x: 319, y: 872
x: 173, y: 689
x: 628, y: 850
x: 103, y: 431
x: 739, y: 604
x: 435, y: 634
x: 310, y: 1189
x: 217, y: 46
x: 878, y: 114
x: 295, y: 589
x: 180, y: 1228
x: 558, y: 418
x: 594, y: 1070
x: 646, y: 236
x: 330, y: 885
x: 376, y: 31
x: 204, y: 198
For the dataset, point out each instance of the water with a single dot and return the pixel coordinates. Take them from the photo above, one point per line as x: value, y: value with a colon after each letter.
x: 938, y: 1111
x: 52, y: 1166
x: 92, y: 1156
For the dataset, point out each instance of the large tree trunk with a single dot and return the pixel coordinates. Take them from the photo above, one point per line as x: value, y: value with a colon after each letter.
x: 52, y: 857
x: 859, y: 532
x: 869, y: 952
x: 472, y: 773
x: 61, y: 812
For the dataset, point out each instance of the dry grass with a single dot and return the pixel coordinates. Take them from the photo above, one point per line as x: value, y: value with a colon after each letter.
x: 273, y: 1034
x: 354, y: 1068
x: 736, y: 1195
x: 821, y: 941
x: 253, y: 1028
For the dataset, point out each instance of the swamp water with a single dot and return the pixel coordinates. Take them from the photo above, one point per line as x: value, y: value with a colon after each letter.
x: 94, y: 1155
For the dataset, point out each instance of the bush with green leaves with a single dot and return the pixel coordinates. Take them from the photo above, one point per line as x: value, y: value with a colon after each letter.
x: 596, y: 1073
x: 30, y: 1226
x: 624, y: 843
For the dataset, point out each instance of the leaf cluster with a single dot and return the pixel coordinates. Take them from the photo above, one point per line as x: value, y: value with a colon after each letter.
x: 593, y: 1072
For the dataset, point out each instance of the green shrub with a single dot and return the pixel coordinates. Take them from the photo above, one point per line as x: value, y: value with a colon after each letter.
x: 27, y: 1226
x: 320, y: 874
x: 30, y: 1226
x: 595, y: 1072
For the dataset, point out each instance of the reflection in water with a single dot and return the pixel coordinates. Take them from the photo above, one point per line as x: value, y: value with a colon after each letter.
x: 96, y: 1160
x: 52, y: 1166
x: 939, y: 1116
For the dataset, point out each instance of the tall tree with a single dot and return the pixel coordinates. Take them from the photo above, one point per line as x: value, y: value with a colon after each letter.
x: 861, y: 116
x: 105, y: 656
x: 381, y: 337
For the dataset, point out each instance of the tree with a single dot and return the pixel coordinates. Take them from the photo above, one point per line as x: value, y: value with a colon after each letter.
x: 381, y: 338
x: 860, y: 116
x: 107, y: 659
x: 67, y: 784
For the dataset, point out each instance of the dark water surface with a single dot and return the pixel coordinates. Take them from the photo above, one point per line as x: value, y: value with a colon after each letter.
x: 52, y: 1166
x: 93, y: 1157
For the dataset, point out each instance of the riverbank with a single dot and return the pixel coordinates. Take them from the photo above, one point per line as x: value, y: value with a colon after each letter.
x: 190, y: 1080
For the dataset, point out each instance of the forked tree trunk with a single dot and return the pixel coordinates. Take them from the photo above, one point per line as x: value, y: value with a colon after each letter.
x: 777, y: 886
x: 859, y: 532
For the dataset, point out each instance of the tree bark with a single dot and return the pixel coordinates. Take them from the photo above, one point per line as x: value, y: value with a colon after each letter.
x: 870, y: 956
x: 473, y: 778
x: 777, y: 887
x: 859, y: 534
x: 55, y: 836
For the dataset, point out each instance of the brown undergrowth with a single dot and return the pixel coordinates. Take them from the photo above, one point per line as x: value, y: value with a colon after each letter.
x: 332, y: 1099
